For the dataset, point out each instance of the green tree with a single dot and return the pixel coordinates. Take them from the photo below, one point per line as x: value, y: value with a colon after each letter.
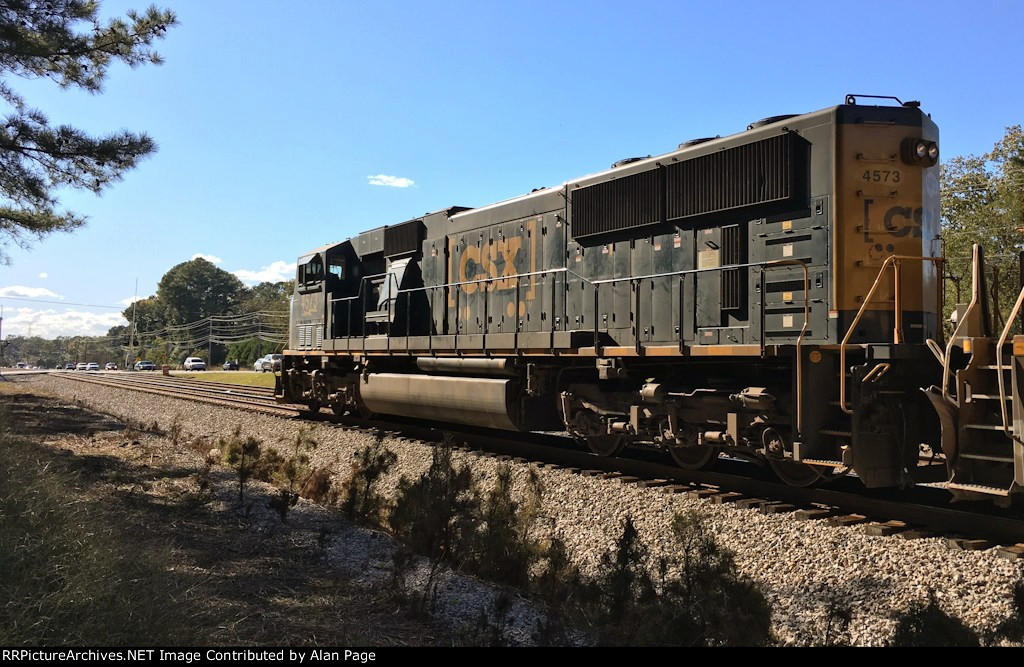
x: 66, y: 42
x: 197, y: 289
x: 983, y: 202
x: 147, y: 315
x: 268, y: 297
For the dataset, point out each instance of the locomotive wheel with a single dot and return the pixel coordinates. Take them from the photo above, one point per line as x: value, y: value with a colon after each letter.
x: 694, y: 457
x: 795, y: 473
x: 606, y: 445
x: 314, y: 406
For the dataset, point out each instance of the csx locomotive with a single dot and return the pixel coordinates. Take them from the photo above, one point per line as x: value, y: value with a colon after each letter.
x: 774, y: 295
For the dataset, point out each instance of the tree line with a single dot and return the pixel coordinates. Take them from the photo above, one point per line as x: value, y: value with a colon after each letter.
x: 198, y: 310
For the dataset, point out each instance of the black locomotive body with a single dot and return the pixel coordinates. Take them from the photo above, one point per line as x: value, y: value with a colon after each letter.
x: 736, y: 294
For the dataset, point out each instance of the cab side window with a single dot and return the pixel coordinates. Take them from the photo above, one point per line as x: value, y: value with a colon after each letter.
x: 311, y: 272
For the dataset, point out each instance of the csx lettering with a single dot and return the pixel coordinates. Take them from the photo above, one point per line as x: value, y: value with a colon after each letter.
x: 898, y: 221
x: 476, y: 264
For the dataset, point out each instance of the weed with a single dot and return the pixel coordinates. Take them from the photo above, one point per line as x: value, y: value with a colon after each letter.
x: 243, y: 454
x: 294, y: 470
x: 623, y: 580
x: 503, y: 550
x: 362, y: 501
x: 434, y: 515
x: 492, y: 622
x: 175, y: 430
x: 282, y: 501
x: 318, y: 487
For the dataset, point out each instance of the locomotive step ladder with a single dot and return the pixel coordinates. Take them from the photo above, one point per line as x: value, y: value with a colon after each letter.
x: 988, y: 455
x: 979, y: 404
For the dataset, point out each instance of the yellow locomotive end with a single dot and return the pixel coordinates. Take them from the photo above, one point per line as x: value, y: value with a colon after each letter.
x: 887, y: 204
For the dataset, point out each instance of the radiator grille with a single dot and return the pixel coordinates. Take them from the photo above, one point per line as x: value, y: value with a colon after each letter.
x: 757, y: 173
x: 630, y: 202
x: 402, y: 239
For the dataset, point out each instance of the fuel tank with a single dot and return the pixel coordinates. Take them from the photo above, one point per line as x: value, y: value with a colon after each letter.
x: 487, y: 402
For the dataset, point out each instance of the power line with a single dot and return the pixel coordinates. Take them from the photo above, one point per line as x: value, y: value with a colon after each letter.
x: 61, y: 303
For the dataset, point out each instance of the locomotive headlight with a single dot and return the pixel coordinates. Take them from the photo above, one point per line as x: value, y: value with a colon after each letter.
x: 919, y: 152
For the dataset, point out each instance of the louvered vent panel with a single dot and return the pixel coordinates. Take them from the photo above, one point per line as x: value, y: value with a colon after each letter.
x: 757, y: 173
x: 402, y: 239
x: 625, y: 203
x: 319, y: 338
x: 732, y: 253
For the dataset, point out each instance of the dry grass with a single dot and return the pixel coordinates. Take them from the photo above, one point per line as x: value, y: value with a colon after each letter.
x: 106, y: 541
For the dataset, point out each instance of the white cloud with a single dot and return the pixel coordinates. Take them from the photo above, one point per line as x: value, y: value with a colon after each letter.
x: 130, y: 300
x: 53, y: 323
x: 44, y: 275
x: 29, y: 292
x: 277, y: 272
x: 391, y: 181
x: 212, y: 259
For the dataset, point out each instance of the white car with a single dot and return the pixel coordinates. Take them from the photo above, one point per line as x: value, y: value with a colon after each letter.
x: 92, y: 366
x: 258, y: 364
x: 194, y: 364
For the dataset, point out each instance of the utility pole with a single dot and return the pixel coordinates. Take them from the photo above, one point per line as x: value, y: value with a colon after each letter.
x: 131, y: 339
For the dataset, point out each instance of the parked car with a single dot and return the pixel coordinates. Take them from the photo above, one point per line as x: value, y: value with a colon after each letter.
x: 21, y: 364
x: 92, y: 366
x: 70, y: 366
x: 194, y: 364
x: 258, y: 364
x: 111, y: 366
x: 271, y: 362
x: 81, y: 366
x: 145, y: 366
x: 230, y: 365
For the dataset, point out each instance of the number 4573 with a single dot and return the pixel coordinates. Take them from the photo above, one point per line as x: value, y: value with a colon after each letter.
x: 881, y: 176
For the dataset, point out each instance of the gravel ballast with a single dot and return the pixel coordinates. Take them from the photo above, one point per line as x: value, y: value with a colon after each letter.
x: 803, y: 567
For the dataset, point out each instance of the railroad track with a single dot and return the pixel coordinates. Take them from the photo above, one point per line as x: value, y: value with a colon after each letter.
x: 915, y: 513
x: 253, y: 399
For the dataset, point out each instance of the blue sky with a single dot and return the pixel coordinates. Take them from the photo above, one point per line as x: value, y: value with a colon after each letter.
x: 274, y: 118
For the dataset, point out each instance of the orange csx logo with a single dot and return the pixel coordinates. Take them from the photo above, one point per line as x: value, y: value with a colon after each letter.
x: 492, y: 267
x: 496, y: 260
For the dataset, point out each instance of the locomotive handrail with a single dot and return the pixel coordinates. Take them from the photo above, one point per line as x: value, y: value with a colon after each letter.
x: 976, y: 298
x: 894, y: 261
x: 999, y: 366
x: 596, y: 284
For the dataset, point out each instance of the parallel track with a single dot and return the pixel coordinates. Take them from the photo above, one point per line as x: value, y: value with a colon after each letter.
x: 253, y: 399
x: 925, y: 508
